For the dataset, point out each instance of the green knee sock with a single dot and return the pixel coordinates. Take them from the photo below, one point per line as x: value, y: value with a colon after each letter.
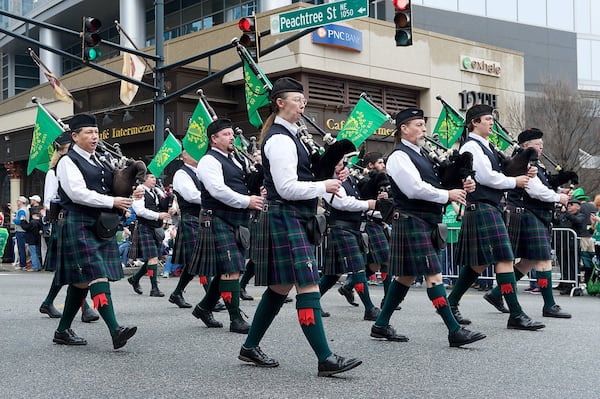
x: 152, y: 273
x: 103, y: 303
x: 248, y: 274
x: 362, y: 289
x: 184, y: 280
x: 212, y: 294
x: 326, y: 282
x: 466, y: 278
x: 508, y: 287
x: 395, y: 295
x: 72, y: 303
x: 387, y: 280
x: 140, y: 273
x: 53, y: 292
x: 496, y: 290
x: 309, y: 315
x: 544, y: 280
x: 437, y: 295
x: 267, y: 309
x: 230, y: 292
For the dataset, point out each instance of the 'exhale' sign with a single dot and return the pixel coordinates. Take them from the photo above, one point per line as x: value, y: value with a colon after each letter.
x: 318, y: 15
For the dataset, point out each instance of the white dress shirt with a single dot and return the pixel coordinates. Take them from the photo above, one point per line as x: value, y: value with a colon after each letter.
x: 280, y: 150
x: 344, y: 202
x: 185, y: 186
x: 139, y: 205
x: 72, y: 182
x: 50, y: 187
x: 405, y: 174
x: 484, y: 174
x: 210, y: 172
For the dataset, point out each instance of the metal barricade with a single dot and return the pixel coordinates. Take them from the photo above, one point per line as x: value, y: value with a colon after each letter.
x: 565, y: 259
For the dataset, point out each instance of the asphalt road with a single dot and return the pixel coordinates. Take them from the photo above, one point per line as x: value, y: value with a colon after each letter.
x: 174, y: 356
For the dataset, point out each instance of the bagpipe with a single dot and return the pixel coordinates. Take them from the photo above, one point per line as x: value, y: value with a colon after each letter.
x: 452, y: 167
x: 128, y: 173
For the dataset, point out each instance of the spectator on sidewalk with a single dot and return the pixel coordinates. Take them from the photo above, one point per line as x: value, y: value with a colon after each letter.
x: 21, y: 214
x: 33, y: 238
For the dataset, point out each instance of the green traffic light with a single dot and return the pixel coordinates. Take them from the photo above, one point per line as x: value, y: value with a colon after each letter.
x: 93, y: 53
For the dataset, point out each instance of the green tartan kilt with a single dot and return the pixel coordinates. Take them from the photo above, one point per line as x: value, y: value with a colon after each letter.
x: 81, y: 256
x: 145, y: 243
x: 343, y: 252
x: 51, y: 259
x: 291, y: 257
x: 186, y: 238
x: 379, y: 246
x: 534, y: 240
x: 412, y: 253
x: 483, y: 238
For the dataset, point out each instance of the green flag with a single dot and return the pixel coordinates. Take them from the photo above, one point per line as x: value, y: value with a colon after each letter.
x: 362, y: 122
x: 499, y: 137
x: 170, y: 150
x: 257, y: 92
x: 195, y: 141
x: 449, y: 126
x: 46, y: 130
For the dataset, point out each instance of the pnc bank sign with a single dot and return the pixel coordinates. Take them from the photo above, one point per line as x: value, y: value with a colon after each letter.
x: 338, y: 36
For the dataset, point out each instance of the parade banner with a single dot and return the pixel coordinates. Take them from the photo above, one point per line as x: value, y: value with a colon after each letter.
x: 257, y: 93
x: 449, y: 126
x: 195, y: 141
x: 362, y: 122
x: 170, y: 150
x: 45, y: 131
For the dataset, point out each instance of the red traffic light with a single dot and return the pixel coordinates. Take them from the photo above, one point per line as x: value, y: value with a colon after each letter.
x: 401, y: 4
x: 246, y: 24
x: 92, y: 24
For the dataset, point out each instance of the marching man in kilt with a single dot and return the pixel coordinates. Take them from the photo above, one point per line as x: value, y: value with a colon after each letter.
x: 186, y: 186
x: 88, y: 314
x: 289, y: 258
x: 419, y: 200
x: 151, y: 212
x: 224, y: 225
x: 88, y: 256
x: 345, y: 250
x: 483, y: 238
x: 531, y: 211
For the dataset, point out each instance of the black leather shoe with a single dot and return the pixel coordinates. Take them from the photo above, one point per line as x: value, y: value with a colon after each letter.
x: 324, y: 313
x: 335, y: 364
x: 372, y: 314
x: 239, y: 326
x: 219, y: 307
x: 459, y: 318
x: 50, y: 310
x: 523, y: 322
x: 207, y: 317
x: 555, y: 311
x: 179, y: 301
x: 463, y: 336
x: 348, y: 294
x: 156, y: 292
x: 135, y: 285
x: 68, y: 337
x: 245, y: 296
x: 496, y: 302
x: 387, y: 332
x: 121, y: 335
x: 89, y: 315
x: 257, y: 356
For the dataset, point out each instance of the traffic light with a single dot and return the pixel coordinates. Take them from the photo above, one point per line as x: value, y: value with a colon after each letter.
x: 250, y: 38
x: 90, y: 39
x: 403, y: 21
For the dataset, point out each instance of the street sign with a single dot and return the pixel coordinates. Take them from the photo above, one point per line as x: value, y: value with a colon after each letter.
x: 318, y: 15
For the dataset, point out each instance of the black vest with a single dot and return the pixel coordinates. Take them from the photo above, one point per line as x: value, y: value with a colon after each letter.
x: 152, y: 203
x: 428, y: 174
x: 303, y: 169
x: 484, y: 193
x: 350, y: 185
x: 234, y: 177
x: 97, y: 178
x: 519, y: 197
x: 185, y: 206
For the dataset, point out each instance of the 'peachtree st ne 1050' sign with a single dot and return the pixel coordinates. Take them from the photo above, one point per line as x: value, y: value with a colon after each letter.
x: 318, y: 15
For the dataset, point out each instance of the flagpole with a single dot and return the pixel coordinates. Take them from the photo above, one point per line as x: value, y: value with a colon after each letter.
x: 60, y: 123
x: 121, y: 30
x: 444, y: 103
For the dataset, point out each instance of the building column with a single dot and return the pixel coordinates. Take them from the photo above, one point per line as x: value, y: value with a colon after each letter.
x: 132, y: 17
x: 52, y: 61
x: 266, y: 5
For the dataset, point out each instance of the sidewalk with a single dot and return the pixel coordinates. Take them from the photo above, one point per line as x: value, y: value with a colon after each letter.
x: 8, y: 267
